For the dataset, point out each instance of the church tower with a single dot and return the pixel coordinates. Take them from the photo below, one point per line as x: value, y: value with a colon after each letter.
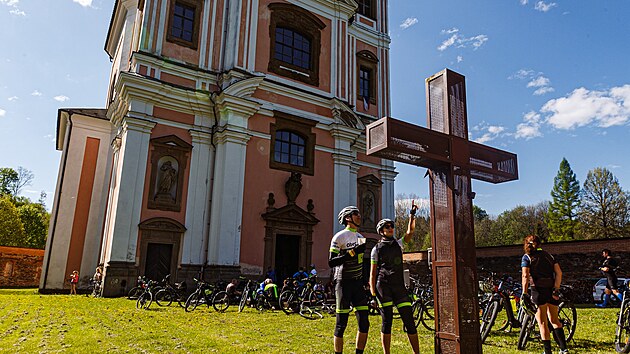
x: 234, y: 132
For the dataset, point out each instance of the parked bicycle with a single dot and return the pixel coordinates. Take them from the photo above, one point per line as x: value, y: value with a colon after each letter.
x: 203, y: 295
x: 499, y: 299
x: 146, y: 298
x: 567, y: 314
x: 422, y: 306
x: 170, y: 293
x: 248, y: 295
x: 622, y: 334
x: 293, y: 295
x: 138, y: 289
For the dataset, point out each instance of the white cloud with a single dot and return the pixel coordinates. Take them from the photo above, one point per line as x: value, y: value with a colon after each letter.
x: 460, y: 58
x: 410, y: 21
x: 583, y: 107
x: 523, y: 2
x: 614, y: 166
x: 530, y: 128
x: 17, y: 12
x: 493, y: 132
x: 13, y: 4
x: 522, y: 74
x: 13, y: 98
x: 540, y: 81
x: 84, y: 3
x: 462, y: 42
x: 36, y: 93
x: 50, y: 137
x: 61, y: 98
x: 544, y: 7
x: 543, y: 90
x: 2, y: 112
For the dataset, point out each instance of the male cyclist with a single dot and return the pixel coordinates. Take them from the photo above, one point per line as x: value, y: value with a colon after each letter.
x: 608, y: 269
x: 346, y: 255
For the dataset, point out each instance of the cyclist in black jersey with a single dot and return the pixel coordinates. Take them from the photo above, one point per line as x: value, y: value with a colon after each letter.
x: 346, y: 256
x: 608, y: 269
x: 543, y: 272
x: 387, y: 282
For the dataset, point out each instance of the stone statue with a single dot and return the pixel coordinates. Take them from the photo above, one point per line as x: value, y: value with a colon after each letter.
x: 168, y: 178
x: 293, y: 186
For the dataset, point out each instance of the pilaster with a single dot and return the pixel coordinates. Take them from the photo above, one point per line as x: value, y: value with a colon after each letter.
x: 388, y: 176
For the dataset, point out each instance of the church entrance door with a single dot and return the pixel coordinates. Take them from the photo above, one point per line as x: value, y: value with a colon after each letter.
x: 158, y: 262
x: 287, y: 256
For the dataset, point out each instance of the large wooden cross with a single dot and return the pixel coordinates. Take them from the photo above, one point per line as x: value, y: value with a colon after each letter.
x: 452, y: 161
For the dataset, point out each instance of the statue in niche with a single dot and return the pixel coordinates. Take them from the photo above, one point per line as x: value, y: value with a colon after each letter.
x: 368, y: 208
x: 293, y: 186
x: 168, y: 178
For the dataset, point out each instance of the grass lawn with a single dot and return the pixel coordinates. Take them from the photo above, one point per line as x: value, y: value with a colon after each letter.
x: 33, y: 323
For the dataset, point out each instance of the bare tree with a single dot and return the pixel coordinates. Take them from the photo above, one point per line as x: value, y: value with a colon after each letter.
x: 24, y: 178
x: 604, y: 210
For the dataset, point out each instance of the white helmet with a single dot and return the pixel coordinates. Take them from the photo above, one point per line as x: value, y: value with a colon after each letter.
x: 347, y: 211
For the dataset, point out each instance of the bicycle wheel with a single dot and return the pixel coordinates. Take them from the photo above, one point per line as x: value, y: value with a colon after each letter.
x: 192, y: 301
x: 502, y: 320
x: 134, y: 293
x: 308, y: 312
x: 221, y: 301
x: 567, y: 314
x: 526, y: 329
x: 427, y: 317
x: 288, y: 302
x: 144, y: 301
x: 164, y: 298
x: 622, y: 336
x: 488, y: 318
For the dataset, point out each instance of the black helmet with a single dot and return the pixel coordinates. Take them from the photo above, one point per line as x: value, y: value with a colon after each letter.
x: 381, y: 224
x: 347, y: 211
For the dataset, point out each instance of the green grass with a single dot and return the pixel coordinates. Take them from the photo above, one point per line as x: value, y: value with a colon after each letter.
x: 33, y: 323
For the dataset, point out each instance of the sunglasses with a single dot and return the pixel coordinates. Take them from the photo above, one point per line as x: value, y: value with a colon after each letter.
x: 388, y: 226
x: 356, y: 213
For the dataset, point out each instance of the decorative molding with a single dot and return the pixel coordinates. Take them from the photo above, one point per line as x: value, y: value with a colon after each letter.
x: 162, y: 224
x: 165, y: 177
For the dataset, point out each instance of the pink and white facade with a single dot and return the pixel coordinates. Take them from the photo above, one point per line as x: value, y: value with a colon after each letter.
x: 232, y: 136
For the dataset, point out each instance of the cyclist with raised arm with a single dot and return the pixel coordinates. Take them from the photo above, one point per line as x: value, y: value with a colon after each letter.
x: 543, y: 272
x: 387, y: 282
x: 608, y: 269
x: 346, y: 255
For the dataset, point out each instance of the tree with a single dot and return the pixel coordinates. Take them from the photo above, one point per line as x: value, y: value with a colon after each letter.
x: 479, y: 214
x: 8, y: 178
x: 35, y: 220
x: 11, y: 228
x: 562, y: 218
x: 25, y: 177
x: 513, y: 225
x: 604, y: 205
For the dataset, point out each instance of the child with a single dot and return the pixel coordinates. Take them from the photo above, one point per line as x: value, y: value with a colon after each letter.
x: 74, y: 279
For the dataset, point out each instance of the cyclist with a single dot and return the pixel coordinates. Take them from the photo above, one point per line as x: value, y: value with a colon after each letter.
x: 543, y: 272
x: 387, y: 282
x: 300, y: 276
x: 608, y: 269
x: 346, y: 255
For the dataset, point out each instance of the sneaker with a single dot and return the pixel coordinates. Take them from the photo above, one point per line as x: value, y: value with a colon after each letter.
x: 564, y: 351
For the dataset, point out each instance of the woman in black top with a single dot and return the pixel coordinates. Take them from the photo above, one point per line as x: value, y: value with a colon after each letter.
x: 542, y: 271
x: 608, y: 269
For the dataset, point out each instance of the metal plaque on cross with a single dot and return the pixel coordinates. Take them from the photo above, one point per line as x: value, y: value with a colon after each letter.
x: 452, y: 160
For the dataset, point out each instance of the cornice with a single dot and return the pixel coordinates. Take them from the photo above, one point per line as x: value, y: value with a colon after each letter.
x: 231, y: 134
x: 329, y: 8
x: 138, y: 125
x: 342, y: 159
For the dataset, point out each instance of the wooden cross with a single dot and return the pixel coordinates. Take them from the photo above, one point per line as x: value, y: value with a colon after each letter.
x: 452, y: 161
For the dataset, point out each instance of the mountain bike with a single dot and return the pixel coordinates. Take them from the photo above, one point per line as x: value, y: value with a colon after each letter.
x: 146, y: 298
x: 500, y: 299
x: 138, y: 289
x: 248, y: 295
x: 293, y: 295
x: 422, y: 305
x: 567, y: 314
x: 203, y: 295
x: 168, y: 294
x: 622, y: 334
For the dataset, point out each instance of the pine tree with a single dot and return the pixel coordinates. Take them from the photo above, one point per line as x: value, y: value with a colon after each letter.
x: 605, y: 209
x: 563, y: 210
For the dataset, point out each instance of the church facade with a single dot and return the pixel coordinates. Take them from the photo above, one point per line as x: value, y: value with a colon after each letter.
x: 234, y: 132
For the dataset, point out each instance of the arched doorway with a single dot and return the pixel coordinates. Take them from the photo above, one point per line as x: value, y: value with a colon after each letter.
x: 160, y: 242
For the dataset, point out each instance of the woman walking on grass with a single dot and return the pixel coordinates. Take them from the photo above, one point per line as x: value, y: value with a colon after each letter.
x: 74, y: 280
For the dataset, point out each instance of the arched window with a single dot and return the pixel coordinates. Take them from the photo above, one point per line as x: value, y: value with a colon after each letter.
x: 292, y: 47
x: 289, y: 148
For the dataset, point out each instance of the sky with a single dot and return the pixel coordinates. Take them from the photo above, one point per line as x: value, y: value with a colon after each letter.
x: 545, y: 79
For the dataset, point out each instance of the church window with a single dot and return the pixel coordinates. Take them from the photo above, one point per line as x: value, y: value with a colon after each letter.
x: 364, y: 82
x: 367, y: 66
x: 295, y: 40
x: 183, y: 27
x: 289, y: 148
x: 293, y: 48
x: 292, y: 144
x: 366, y: 8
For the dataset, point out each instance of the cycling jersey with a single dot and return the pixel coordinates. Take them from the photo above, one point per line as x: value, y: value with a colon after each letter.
x: 352, y: 267
x: 388, y: 255
x: 541, y: 265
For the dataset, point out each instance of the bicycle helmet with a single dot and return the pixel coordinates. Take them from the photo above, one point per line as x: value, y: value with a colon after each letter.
x: 381, y: 224
x: 347, y: 211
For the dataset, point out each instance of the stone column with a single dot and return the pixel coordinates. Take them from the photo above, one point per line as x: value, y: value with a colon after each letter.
x: 388, y: 176
x: 124, y: 213
x: 198, y: 201
x: 345, y: 188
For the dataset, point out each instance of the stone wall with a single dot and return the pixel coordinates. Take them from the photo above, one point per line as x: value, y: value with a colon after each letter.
x: 20, y: 267
x: 579, y: 261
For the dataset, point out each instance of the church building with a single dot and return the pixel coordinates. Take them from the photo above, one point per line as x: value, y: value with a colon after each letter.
x: 233, y: 133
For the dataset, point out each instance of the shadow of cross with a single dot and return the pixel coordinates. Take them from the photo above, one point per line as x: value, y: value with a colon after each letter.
x: 452, y: 161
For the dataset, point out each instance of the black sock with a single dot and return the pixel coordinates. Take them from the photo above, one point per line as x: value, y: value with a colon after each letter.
x: 338, y: 352
x: 359, y: 351
x: 560, y: 338
x: 547, y: 345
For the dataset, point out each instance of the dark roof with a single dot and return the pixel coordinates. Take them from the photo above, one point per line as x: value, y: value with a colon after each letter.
x: 100, y: 113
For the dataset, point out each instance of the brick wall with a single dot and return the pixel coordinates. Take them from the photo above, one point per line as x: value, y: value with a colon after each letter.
x: 20, y: 267
x: 579, y: 261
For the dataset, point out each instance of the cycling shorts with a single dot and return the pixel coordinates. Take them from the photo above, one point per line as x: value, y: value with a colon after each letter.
x: 542, y: 296
x: 612, y: 282
x: 392, y: 294
x: 350, y: 293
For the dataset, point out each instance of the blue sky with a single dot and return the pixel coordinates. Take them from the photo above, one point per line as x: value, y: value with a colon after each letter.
x: 545, y: 80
